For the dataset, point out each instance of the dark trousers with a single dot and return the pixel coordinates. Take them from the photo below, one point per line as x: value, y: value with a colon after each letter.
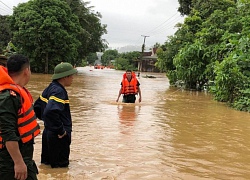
x: 7, y: 165
x: 55, y: 151
x: 9, y: 175
x: 130, y: 98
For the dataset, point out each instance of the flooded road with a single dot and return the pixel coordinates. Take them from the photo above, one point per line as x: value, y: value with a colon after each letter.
x: 171, y: 134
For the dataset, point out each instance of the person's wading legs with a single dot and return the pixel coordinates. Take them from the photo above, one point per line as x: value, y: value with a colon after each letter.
x: 129, y: 98
x: 45, y: 150
x: 58, y: 149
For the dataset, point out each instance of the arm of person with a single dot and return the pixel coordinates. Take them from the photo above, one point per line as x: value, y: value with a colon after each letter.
x: 38, y: 108
x: 61, y: 136
x: 120, y: 92
x: 19, y: 165
x: 139, y: 91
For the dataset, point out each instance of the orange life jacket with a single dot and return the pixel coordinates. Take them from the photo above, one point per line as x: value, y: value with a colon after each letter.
x: 129, y: 87
x: 28, y: 127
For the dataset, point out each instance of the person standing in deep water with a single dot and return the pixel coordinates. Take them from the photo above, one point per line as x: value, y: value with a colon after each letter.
x: 130, y: 87
x: 53, y: 108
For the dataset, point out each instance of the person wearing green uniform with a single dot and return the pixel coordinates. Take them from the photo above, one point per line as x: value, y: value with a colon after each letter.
x: 18, y: 125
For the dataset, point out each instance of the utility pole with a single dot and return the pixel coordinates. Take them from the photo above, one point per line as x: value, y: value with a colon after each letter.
x: 142, y: 51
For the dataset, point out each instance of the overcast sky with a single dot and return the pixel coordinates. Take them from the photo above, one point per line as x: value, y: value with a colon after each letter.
x: 128, y: 21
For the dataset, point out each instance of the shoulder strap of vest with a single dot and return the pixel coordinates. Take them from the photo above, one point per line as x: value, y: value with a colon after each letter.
x: 10, y: 87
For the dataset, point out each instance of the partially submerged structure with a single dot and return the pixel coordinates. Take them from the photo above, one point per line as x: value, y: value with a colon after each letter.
x: 147, y: 62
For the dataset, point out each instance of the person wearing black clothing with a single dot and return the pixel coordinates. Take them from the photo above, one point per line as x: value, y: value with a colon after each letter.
x: 54, y: 109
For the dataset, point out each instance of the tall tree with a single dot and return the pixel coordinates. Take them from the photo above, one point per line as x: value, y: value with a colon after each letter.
x: 132, y: 57
x: 5, y: 32
x: 109, y: 55
x: 90, y: 21
x: 91, y: 58
x: 206, y: 8
x: 47, y: 31
x: 219, y: 51
x: 185, y: 7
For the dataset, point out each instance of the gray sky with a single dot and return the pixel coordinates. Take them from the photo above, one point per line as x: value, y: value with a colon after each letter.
x: 129, y: 20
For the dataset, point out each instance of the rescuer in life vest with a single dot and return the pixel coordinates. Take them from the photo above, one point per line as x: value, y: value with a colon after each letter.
x: 18, y: 124
x: 130, y: 87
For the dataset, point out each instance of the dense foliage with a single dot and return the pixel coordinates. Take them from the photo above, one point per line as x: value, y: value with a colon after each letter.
x: 5, y: 32
x: 91, y: 58
x: 212, y: 47
x: 51, y: 31
x: 122, y: 61
x: 89, y: 20
x: 46, y: 31
x: 109, y: 55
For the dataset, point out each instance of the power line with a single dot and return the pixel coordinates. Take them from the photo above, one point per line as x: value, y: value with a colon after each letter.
x: 157, y: 27
x: 5, y: 5
x: 167, y: 26
x: 5, y: 9
x: 161, y: 31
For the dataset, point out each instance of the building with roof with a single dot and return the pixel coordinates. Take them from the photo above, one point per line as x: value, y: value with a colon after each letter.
x: 147, y: 62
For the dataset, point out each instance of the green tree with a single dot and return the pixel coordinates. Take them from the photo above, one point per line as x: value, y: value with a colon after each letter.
x: 232, y: 82
x: 123, y: 64
x: 91, y: 58
x: 206, y: 8
x: 132, y: 58
x: 219, y: 50
x: 157, y: 45
x: 185, y: 6
x: 109, y: 55
x: 46, y: 31
x: 190, y: 67
x: 201, y: 35
x: 90, y: 21
x: 5, y: 32
x: 176, y: 46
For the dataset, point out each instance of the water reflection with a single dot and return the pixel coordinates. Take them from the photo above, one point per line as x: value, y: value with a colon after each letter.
x: 128, y: 113
x: 171, y: 134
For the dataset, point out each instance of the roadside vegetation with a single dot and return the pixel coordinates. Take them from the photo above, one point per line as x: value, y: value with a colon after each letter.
x: 211, y: 49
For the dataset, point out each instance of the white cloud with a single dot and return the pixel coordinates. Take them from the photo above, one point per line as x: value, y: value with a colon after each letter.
x: 127, y: 20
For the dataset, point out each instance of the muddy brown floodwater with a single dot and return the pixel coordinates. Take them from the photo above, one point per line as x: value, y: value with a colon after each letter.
x: 171, y: 134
